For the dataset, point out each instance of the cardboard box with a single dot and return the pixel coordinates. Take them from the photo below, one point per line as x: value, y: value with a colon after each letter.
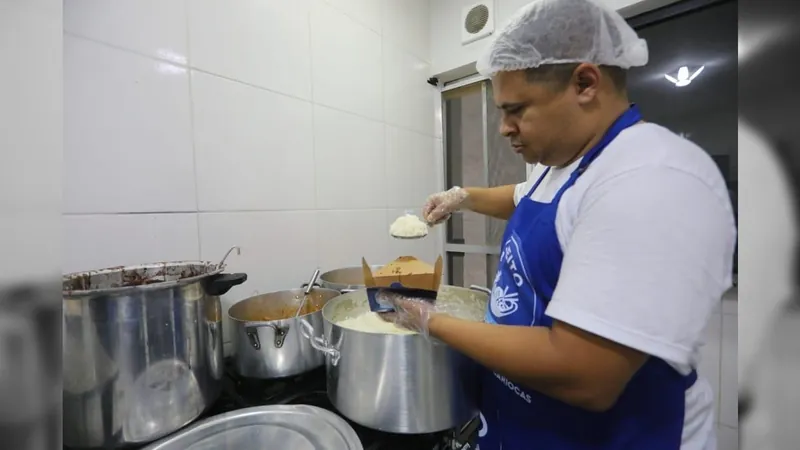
x: 406, y: 275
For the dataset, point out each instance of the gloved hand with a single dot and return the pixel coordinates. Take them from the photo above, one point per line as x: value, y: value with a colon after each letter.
x: 441, y: 205
x: 410, y: 313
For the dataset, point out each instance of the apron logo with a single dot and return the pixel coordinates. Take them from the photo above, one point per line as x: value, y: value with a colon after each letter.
x: 504, y: 302
x: 513, y: 387
x: 505, y: 295
x: 510, y: 257
x: 484, y: 427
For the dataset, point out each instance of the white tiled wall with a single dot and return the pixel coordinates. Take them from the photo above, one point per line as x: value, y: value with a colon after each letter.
x: 297, y: 130
x: 718, y: 365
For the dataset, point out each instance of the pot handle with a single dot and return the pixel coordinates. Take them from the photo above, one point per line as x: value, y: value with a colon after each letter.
x: 221, y: 283
x: 485, y: 290
x: 347, y: 290
x: 319, y: 343
x: 251, y: 330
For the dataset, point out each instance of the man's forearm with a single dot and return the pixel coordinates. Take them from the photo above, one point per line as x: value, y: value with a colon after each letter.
x: 496, y: 202
x: 523, y: 354
x: 533, y: 357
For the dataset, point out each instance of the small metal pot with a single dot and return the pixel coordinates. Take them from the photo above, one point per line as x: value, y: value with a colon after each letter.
x: 400, y: 383
x: 267, y: 338
x: 344, y: 280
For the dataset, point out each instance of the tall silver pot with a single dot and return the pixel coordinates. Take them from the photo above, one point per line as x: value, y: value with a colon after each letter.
x: 400, y: 383
x: 142, y: 350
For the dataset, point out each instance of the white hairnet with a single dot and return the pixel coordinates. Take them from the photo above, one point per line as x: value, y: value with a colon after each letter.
x: 563, y: 31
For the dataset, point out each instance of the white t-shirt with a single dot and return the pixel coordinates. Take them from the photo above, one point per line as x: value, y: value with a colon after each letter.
x: 648, y: 236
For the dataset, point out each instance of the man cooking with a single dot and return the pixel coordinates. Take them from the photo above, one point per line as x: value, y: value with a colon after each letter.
x: 616, y: 251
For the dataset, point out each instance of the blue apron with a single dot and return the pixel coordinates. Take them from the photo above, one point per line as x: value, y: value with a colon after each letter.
x: 648, y: 415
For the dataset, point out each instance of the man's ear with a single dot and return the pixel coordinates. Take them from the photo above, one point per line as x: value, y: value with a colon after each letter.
x: 586, y: 80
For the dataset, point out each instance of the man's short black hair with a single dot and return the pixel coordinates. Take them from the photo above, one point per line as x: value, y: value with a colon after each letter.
x: 560, y: 74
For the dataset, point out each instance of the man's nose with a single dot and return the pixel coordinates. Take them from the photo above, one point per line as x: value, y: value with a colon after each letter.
x: 507, y: 129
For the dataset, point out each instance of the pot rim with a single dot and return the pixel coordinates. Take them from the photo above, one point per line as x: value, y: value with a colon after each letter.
x: 335, y: 295
x: 354, y: 268
x: 73, y: 293
x: 326, y: 319
x: 324, y: 282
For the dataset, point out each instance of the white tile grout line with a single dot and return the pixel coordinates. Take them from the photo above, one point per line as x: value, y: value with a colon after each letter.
x: 188, y: 67
x: 190, y: 75
x: 401, y: 46
x: 354, y: 19
x: 228, y: 211
x: 314, y: 139
x: 384, y: 134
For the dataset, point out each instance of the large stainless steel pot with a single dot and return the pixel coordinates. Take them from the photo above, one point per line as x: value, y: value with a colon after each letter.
x: 267, y: 337
x: 400, y: 383
x: 142, y: 350
x: 346, y: 279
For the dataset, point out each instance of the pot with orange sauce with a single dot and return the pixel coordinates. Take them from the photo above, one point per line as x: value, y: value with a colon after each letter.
x: 266, y: 335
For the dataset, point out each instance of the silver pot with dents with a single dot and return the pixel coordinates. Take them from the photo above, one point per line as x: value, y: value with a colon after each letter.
x: 267, y: 338
x: 142, y: 353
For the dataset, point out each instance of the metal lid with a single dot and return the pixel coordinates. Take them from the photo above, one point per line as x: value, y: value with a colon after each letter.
x: 143, y: 276
x: 295, y: 427
x: 156, y: 275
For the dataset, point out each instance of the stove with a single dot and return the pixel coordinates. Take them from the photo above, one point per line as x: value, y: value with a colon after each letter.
x: 310, y: 389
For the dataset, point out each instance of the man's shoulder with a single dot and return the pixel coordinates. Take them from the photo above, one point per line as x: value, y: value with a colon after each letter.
x: 653, y: 132
x: 651, y: 147
x: 651, y: 161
